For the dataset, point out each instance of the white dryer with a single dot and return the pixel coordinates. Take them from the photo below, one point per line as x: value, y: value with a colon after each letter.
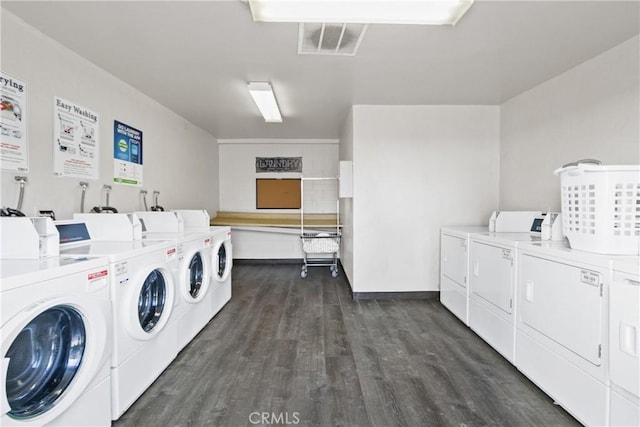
x: 561, y: 328
x: 624, y: 342
x: 56, y: 342
x: 222, y: 257
x: 454, y: 269
x: 142, y: 295
x: 492, y: 287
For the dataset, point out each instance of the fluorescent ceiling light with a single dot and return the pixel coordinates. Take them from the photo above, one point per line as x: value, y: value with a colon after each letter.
x: 427, y: 12
x: 266, y: 101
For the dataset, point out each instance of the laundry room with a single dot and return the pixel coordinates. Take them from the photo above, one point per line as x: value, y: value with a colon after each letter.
x: 413, y: 237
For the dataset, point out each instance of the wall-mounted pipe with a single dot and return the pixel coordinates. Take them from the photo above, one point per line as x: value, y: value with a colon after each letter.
x: 84, y: 186
x: 22, y: 180
x: 144, y: 199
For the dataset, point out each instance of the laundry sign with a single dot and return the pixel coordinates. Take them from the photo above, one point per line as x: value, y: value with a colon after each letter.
x: 278, y: 164
x: 76, y: 145
x: 14, y: 151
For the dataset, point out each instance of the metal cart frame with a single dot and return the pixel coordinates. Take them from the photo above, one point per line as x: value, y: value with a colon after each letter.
x: 314, y: 243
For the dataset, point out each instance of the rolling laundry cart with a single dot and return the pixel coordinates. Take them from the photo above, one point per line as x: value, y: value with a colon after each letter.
x: 318, y: 243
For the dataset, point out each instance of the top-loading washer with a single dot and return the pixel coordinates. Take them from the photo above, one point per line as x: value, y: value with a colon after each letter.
x: 56, y: 342
x: 222, y: 260
x: 142, y: 293
x: 192, y: 272
x: 492, y: 287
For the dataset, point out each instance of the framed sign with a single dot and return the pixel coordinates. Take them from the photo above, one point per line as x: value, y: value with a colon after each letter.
x: 278, y: 164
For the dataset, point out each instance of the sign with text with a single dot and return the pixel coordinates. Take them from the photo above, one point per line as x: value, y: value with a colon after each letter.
x: 127, y: 154
x: 13, y: 123
x: 76, y: 146
x: 278, y: 164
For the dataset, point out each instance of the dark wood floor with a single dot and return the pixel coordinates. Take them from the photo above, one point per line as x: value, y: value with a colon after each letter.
x: 303, y: 351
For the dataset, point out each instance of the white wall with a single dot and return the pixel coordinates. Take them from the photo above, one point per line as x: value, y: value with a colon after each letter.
x: 238, y: 171
x: 238, y: 189
x: 346, y: 204
x: 417, y: 168
x: 180, y: 159
x: 591, y: 111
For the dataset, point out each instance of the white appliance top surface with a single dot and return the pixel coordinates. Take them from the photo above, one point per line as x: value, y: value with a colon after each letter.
x: 220, y: 230
x: 563, y: 250
x: 20, y: 272
x: 464, y: 231
x: 627, y: 264
x: 511, y: 239
x: 186, y: 236
x: 116, y: 251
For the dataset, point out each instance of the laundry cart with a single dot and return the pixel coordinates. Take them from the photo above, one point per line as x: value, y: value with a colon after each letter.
x: 317, y: 243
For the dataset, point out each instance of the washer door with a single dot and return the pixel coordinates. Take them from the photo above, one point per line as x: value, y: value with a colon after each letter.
x: 196, y: 277
x: 51, y: 351
x: 148, y: 304
x: 223, y: 261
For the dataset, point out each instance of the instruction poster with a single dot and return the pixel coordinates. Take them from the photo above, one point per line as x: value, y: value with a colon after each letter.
x: 127, y: 154
x: 75, y: 139
x: 14, y: 148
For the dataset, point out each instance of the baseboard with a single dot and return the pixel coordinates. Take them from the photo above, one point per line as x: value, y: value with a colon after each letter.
x: 265, y: 261
x: 363, y: 296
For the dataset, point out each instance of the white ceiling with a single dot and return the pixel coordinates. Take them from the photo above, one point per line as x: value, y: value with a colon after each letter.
x: 197, y: 57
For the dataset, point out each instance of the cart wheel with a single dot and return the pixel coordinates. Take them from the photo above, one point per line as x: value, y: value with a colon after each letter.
x: 303, y: 274
x: 334, y: 273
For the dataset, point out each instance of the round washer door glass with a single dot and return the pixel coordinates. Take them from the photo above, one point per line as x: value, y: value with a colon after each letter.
x: 222, y: 261
x: 151, y: 300
x: 43, y: 359
x: 196, y: 274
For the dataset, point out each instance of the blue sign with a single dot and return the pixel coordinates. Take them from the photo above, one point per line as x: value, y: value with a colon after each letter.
x: 127, y: 143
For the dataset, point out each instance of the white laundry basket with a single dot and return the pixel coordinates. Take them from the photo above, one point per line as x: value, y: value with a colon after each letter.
x: 601, y: 207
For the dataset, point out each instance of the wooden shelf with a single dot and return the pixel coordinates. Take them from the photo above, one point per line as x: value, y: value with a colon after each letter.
x: 259, y: 219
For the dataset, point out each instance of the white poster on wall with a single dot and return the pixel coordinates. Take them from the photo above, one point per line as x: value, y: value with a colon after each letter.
x: 14, y: 146
x: 75, y: 141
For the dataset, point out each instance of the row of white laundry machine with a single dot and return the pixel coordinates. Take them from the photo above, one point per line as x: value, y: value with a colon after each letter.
x: 567, y: 319
x: 95, y: 308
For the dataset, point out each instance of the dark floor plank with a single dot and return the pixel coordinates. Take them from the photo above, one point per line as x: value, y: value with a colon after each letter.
x: 302, y: 350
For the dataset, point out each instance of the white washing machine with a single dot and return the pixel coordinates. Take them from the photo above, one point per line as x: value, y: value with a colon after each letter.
x: 142, y: 295
x: 562, y: 327
x: 454, y: 268
x: 222, y: 257
x: 192, y: 273
x: 56, y: 342
x: 624, y: 342
x: 192, y: 276
x: 492, y: 288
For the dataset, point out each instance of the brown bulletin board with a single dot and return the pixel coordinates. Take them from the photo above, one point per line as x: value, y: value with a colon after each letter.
x: 274, y: 193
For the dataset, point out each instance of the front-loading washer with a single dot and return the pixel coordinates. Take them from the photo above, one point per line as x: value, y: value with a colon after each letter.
x: 222, y: 261
x: 192, y: 273
x: 56, y: 333
x: 142, y: 293
x: 192, y: 276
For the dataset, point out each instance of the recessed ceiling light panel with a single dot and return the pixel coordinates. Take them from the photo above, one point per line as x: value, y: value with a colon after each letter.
x: 263, y: 96
x: 425, y: 12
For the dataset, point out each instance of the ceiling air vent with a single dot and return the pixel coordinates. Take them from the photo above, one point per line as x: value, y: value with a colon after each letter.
x: 330, y: 39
